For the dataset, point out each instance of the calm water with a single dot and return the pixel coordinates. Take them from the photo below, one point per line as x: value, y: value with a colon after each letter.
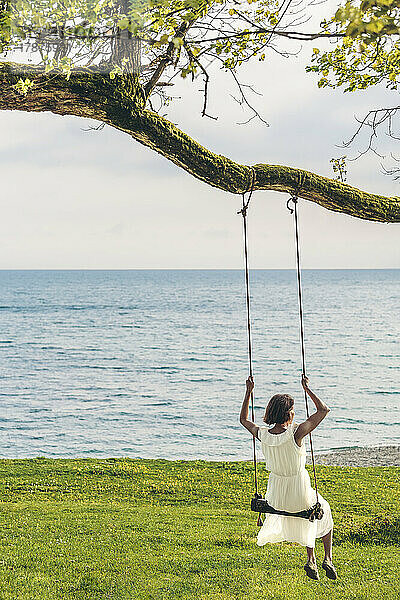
x: 154, y: 363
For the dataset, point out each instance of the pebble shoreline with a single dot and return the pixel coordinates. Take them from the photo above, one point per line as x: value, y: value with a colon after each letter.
x: 380, y: 456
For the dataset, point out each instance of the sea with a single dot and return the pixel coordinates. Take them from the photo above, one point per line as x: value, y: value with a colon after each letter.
x: 153, y: 363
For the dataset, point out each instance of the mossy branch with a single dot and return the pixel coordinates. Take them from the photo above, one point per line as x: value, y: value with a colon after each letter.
x: 94, y: 95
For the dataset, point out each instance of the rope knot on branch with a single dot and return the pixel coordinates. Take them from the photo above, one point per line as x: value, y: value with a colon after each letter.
x: 243, y: 211
x: 293, y: 199
x: 250, y: 189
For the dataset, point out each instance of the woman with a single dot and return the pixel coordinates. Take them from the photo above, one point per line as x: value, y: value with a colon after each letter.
x: 289, y: 486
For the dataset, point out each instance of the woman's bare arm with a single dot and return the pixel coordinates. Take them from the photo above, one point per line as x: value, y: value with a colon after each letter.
x: 244, y: 413
x: 313, y: 420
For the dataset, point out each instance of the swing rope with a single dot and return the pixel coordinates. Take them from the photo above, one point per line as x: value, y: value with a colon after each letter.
x: 243, y: 212
x: 258, y: 504
x: 294, y: 200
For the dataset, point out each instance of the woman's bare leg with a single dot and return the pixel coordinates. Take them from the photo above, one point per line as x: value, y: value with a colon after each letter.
x: 310, y: 555
x: 327, y: 541
x: 311, y: 566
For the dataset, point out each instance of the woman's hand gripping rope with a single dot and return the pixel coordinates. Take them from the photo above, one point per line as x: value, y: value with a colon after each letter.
x: 250, y: 384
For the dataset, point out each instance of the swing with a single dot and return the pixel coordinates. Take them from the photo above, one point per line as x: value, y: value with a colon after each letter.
x: 258, y: 503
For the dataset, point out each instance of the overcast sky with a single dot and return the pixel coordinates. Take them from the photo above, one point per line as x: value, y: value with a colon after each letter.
x: 99, y: 200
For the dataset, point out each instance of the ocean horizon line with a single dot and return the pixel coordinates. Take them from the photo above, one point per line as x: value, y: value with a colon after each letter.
x: 69, y: 270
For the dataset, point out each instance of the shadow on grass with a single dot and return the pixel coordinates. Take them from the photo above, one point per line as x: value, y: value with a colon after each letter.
x: 381, y: 531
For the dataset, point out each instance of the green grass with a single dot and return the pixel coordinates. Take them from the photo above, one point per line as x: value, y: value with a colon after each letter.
x: 128, y: 529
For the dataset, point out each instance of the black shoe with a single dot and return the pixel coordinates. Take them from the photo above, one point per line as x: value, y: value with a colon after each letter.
x: 311, y: 570
x: 329, y: 570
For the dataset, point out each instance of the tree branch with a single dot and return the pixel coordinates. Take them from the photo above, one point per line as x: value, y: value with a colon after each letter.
x: 93, y: 95
x: 168, y: 57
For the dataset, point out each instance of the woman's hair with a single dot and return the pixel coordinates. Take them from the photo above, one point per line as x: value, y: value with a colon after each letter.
x: 278, y: 409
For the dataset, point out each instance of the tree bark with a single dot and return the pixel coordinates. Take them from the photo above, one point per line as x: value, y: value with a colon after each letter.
x: 121, y: 105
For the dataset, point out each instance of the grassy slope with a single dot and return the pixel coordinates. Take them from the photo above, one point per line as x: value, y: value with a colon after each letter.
x: 120, y: 528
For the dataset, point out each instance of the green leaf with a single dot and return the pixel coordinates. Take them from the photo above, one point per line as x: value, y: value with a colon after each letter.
x: 177, y: 41
x: 123, y: 23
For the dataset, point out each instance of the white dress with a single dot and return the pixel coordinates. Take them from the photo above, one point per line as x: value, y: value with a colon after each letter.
x: 289, y: 488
